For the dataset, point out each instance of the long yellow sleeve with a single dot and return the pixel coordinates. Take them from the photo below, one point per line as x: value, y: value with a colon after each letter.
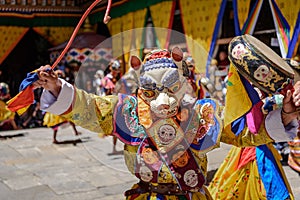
x: 93, y: 112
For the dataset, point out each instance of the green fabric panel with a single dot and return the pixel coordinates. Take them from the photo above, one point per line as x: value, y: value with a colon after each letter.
x: 130, y: 6
x: 118, y: 11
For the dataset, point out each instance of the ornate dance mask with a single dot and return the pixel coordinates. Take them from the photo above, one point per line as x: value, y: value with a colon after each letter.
x: 161, y: 80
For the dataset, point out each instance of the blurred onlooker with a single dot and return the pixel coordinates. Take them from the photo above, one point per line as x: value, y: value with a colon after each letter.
x: 7, y: 118
x: 109, y: 83
x: 213, y: 67
x: 221, y: 74
x: 69, y: 75
x: 54, y: 121
x: 33, y: 117
x: 128, y: 83
x: 89, y: 87
x: 99, y: 75
x: 223, y: 61
x: 189, y: 72
x: 111, y: 78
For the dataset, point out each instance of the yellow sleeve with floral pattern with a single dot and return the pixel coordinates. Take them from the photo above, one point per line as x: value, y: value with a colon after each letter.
x: 93, y: 112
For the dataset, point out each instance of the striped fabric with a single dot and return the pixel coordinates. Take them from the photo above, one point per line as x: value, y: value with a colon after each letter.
x: 294, y: 156
x: 282, y: 28
x: 252, y: 18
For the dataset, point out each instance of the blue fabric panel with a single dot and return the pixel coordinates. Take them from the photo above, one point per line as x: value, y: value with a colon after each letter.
x: 237, y: 29
x: 294, y: 39
x: 215, y: 34
x: 270, y: 174
x: 238, y: 125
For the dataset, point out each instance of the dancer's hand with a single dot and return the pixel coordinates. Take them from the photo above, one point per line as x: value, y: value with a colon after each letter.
x: 296, y: 94
x: 48, y: 79
x: 291, y: 103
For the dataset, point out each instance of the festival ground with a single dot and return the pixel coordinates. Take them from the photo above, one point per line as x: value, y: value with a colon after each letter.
x: 81, y: 167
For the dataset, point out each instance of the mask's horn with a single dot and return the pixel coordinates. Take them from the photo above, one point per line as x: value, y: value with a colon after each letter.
x: 136, y: 64
x: 177, y: 56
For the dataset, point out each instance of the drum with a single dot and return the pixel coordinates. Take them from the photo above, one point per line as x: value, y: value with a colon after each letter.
x: 259, y: 64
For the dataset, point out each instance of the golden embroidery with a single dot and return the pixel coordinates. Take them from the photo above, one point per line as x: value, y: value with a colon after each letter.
x: 144, y: 113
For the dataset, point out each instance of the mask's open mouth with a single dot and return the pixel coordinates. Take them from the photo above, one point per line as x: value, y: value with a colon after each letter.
x: 164, y: 107
x: 166, y: 113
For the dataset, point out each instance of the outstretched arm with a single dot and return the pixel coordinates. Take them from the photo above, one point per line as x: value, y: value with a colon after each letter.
x: 86, y: 110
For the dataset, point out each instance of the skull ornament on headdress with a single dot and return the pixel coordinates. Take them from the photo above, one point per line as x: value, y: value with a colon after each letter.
x: 161, y: 80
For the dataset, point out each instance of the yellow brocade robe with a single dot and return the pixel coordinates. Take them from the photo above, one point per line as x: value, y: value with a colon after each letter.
x: 98, y: 114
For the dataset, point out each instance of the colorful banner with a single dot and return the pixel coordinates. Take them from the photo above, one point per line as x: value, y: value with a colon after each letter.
x: 124, y: 35
x: 115, y: 28
x: 162, y: 16
x: 240, y: 12
x: 250, y: 23
x: 215, y: 35
x: 55, y: 35
x: 127, y: 29
x: 243, y: 7
x: 12, y: 35
x: 198, y: 17
x: 290, y: 10
x: 294, y: 43
x: 237, y: 29
x: 139, y: 24
x: 282, y: 28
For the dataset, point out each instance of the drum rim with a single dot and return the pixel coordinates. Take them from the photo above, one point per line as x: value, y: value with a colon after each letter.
x: 289, y: 73
x: 253, y: 81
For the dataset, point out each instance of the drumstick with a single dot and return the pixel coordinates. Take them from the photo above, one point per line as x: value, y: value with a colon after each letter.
x: 105, y: 20
x: 106, y: 16
x: 25, y: 97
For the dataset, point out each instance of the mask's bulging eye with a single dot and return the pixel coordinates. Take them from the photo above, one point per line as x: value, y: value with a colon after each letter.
x: 148, y: 93
x: 174, y: 88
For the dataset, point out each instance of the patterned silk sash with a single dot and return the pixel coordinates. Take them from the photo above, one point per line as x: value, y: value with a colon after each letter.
x: 167, y: 145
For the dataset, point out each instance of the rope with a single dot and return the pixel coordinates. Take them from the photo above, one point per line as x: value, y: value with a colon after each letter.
x: 105, y: 20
